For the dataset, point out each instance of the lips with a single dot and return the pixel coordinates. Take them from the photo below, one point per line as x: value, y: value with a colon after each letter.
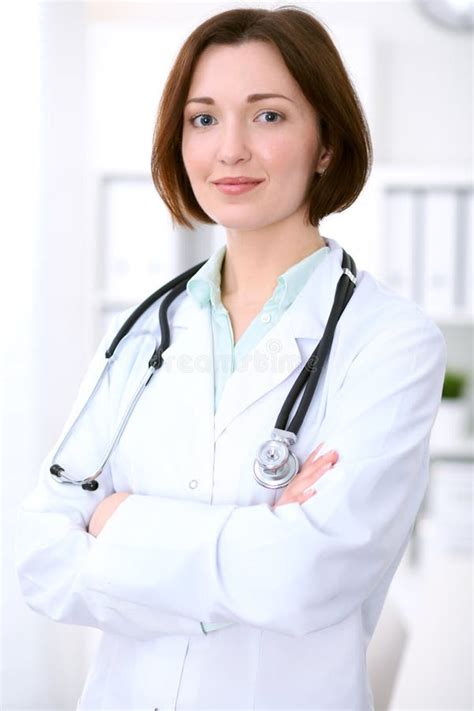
x: 237, y: 181
x: 237, y: 188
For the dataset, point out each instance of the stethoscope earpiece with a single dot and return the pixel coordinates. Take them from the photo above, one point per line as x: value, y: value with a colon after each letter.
x: 275, y: 464
x: 90, y: 485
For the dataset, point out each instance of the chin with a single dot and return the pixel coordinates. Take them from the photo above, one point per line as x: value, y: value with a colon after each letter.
x: 242, y: 224
x: 240, y: 217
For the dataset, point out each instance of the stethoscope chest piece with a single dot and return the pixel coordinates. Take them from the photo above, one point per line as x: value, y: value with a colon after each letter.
x: 275, y: 465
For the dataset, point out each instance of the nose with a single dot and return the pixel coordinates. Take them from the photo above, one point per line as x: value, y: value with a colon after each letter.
x: 233, y: 143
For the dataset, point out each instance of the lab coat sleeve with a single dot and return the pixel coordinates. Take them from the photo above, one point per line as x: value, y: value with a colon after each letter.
x: 297, y: 568
x: 52, y: 543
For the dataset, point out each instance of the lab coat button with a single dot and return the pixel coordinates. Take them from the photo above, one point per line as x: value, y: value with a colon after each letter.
x: 266, y: 318
x: 193, y: 483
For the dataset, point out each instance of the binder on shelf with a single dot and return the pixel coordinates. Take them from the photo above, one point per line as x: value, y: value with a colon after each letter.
x: 440, y: 252
x: 398, y: 241
x: 139, y: 247
x: 468, y: 261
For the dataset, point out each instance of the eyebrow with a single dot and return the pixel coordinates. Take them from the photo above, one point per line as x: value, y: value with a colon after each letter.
x: 251, y: 98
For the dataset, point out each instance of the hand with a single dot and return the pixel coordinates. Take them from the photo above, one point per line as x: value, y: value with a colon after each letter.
x: 310, y: 472
x: 104, y: 511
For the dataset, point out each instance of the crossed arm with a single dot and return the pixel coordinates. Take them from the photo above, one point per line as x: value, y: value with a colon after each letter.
x: 298, y: 491
x: 150, y: 565
x: 104, y: 511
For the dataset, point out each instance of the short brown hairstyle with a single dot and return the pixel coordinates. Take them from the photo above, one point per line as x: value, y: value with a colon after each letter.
x: 313, y: 60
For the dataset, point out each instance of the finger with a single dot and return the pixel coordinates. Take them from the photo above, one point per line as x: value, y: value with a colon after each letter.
x: 329, y: 458
x: 315, y: 459
x: 313, y: 454
x: 327, y: 455
x: 315, y: 473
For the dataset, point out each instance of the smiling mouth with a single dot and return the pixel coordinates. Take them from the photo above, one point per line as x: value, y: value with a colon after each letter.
x: 237, y: 188
x: 236, y: 182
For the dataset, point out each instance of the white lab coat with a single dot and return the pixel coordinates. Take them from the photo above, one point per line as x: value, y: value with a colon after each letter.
x: 197, y: 540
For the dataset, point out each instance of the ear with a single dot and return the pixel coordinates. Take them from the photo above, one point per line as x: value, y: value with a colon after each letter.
x: 324, y: 160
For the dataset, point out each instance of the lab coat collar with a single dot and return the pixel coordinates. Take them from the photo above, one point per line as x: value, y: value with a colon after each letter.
x: 282, y: 350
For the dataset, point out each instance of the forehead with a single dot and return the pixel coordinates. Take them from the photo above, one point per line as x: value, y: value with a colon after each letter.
x: 237, y: 69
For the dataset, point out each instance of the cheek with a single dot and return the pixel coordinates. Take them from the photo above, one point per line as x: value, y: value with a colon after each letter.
x: 192, y: 154
x: 276, y: 150
x: 284, y: 155
x: 289, y: 167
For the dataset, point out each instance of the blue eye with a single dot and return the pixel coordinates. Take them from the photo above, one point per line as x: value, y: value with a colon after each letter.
x: 273, y: 113
x: 263, y: 113
x: 191, y: 120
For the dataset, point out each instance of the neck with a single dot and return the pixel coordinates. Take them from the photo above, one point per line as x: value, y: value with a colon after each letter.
x: 253, y: 262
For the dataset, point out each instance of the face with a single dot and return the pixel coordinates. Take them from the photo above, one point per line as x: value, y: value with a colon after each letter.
x: 275, y: 139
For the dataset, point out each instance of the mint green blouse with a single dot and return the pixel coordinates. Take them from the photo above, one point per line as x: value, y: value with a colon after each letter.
x: 205, y: 287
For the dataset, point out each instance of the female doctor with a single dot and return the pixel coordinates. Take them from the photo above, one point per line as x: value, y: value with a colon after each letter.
x: 211, y: 590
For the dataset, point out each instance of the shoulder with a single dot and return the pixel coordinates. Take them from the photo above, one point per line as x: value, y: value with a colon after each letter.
x: 375, y: 308
x: 379, y: 323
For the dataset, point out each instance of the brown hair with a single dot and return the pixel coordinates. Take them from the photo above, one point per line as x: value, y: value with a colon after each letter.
x: 313, y: 60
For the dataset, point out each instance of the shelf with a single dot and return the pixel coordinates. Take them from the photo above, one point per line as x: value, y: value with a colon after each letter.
x: 424, y: 177
x: 464, y: 320
x: 458, y: 449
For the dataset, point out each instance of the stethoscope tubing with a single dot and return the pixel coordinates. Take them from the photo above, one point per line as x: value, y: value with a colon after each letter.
x: 56, y: 470
x: 313, y: 367
x: 307, y: 379
x: 88, y: 483
x: 175, y: 286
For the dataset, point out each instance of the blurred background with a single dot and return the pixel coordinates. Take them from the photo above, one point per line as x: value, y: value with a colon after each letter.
x: 84, y: 235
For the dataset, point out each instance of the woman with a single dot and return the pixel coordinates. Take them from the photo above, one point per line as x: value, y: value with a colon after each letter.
x: 213, y: 592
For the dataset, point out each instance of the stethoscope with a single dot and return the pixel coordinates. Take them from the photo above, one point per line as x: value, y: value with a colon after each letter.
x: 275, y: 464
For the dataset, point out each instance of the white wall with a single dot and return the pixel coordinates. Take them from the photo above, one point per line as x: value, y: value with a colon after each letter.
x: 46, y: 266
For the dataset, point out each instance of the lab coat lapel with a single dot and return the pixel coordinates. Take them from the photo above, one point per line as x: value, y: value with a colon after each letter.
x: 281, y: 353
x: 272, y: 360
x: 189, y: 361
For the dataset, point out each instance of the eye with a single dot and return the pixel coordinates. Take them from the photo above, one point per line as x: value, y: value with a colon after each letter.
x: 263, y: 113
x: 193, y: 118
x: 271, y: 113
